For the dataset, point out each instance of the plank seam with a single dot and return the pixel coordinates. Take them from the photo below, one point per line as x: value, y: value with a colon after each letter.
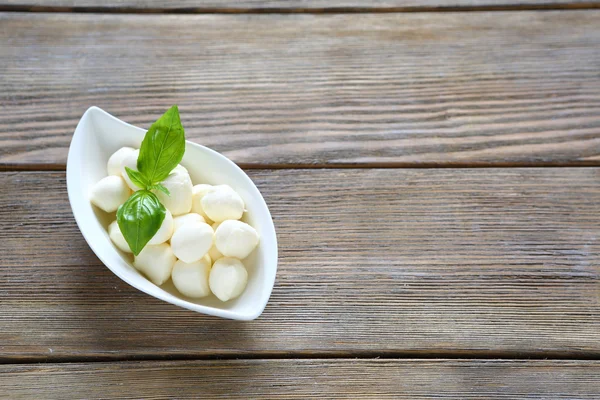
x: 403, y: 355
x: 279, y: 10
x: 470, y: 165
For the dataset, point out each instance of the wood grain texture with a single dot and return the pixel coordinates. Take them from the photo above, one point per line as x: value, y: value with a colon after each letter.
x: 472, y: 262
x: 279, y: 5
x: 302, y: 379
x: 448, y: 89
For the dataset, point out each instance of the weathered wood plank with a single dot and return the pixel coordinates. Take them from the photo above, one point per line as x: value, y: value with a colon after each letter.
x: 514, y: 88
x: 291, y: 5
x: 302, y: 379
x: 473, y: 262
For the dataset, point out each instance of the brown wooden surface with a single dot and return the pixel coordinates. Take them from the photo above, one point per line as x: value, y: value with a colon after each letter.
x: 450, y: 89
x: 376, y: 265
x: 471, y: 262
x: 300, y: 379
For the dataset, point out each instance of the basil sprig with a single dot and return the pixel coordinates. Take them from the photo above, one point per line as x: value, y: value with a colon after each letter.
x: 162, y: 148
x: 141, y: 216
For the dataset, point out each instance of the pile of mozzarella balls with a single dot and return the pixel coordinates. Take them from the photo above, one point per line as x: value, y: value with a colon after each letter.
x: 201, y: 241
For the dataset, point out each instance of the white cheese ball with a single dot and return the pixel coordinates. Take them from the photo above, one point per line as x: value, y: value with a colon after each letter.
x: 130, y: 161
x: 156, y: 262
x: 179, y: 185
x: 165, y: 231
x: 109, y: 193
x: 185, y: 218
x: 222, y: 203
x: 116, y: 160
x: 236, y: 239
x: 115, y: 234
x: 192, y: 241
x: 198, y: 191
x: 228, y: 278
x: 191, y: 279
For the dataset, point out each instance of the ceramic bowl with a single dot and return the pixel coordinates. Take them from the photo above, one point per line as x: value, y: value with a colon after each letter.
x: 98, y: 135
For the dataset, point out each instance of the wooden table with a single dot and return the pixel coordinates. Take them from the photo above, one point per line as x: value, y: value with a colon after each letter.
x: 432, y: 168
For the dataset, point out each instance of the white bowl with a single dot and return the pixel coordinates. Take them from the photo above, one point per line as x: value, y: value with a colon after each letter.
x: 98, y: 135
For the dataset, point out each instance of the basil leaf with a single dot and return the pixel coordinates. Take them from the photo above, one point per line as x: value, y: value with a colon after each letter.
x: 162, y: 148
x: 139, y: 219
x: 137, y: 178
x: 163, y: 189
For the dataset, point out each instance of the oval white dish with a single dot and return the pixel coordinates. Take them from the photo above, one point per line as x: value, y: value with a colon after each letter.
x: 97, y: 136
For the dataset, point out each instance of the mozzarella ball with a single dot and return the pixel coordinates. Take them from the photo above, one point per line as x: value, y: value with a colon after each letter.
x: 116, y: 160
x: 228, y: 278
x: 214, y: 253
x: 222, y: 203
x: 115, y: 234
x: 192, y: 279
x: 185, y: 218
x: 165, y: 231
x: 192, y: 241
x: 198, y: 191
x: 180, y: 169
x: 156, y: 262
x: 179, y: 185
x: 109, y: 193
x: 236, y: 239
x: 130, y: 161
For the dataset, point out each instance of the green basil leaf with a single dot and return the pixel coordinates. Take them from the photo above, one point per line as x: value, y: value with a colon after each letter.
x: 162, y: 148
x: 139, y: 218
x: 137, y: 178
x: 163, y: 189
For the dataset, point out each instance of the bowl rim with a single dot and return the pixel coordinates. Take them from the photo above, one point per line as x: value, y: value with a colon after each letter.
x: 73, y: 184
